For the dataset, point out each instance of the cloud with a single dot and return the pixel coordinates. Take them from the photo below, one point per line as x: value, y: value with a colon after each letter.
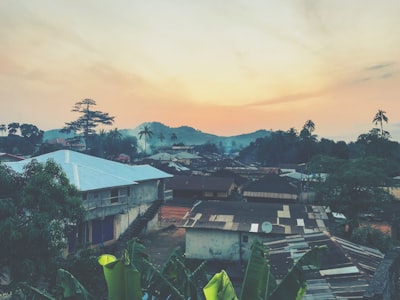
x: 286, y: 99
x: 379, y: 71
x: 379, y: 66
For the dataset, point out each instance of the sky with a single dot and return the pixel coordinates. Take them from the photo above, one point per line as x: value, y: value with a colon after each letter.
x: 224, y: 67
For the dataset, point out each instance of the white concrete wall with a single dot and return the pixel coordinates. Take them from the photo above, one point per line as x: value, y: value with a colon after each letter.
x: 144, y: 192
x: 123, y: 220
x: 210, y: 244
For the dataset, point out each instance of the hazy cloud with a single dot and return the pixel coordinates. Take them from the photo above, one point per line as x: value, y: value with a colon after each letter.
x: 378, y: 71
x: 379, y: 66
x: 286, y: 99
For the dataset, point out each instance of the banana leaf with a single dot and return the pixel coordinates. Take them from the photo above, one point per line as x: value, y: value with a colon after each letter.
x: 293, y: 286
x: 123, y: 280
x: 71, y: 286
x: 35, y: 293
x: 159, y: 285
x: 258, y: 282
x: 220, y: 288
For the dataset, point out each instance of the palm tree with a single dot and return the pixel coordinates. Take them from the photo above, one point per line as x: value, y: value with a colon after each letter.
x: 380, y: 117
x: 161, y: 137
x: 173, y: 137
x: 147, y: 133
x: 115, y: 134
x: 3, y: 128
x: 13, y: 128
x: 310, y: 126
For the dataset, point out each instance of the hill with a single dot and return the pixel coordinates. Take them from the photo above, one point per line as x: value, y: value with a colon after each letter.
x: 190, y: 136
x: 185, y: 135
x: 55, y: 133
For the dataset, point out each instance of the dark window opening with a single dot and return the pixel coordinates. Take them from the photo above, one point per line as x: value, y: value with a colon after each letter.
x: 245, y: 239
x: 114, y: 196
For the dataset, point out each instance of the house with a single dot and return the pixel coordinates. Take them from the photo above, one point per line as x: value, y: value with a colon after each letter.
x: 221, y: 230
x: 201, y: 187
x: 346, y: 269
x: 270, y: 188
x: 113, y: 194
x: 72, y: 143
x: 6, y: 157
x: 182, y: 157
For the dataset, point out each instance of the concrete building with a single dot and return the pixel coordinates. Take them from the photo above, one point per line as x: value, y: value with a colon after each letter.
x: 220, y: 230
x: 201, y: 187
x: 271, y: 188
x: 113, y: 194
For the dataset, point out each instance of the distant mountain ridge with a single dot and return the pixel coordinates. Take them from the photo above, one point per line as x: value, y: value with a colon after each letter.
x: 185, y: 135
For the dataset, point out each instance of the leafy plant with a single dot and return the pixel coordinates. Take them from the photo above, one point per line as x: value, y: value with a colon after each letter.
x: 175, y: 279
x: 259, y: 282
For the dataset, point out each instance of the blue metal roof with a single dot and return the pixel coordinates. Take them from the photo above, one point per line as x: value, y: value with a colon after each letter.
x: 88, y: 172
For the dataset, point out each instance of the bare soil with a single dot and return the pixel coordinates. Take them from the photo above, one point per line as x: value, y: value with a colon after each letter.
x: 159, y: 245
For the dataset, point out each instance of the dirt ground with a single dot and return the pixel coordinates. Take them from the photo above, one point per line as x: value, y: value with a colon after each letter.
x: 160, y: 244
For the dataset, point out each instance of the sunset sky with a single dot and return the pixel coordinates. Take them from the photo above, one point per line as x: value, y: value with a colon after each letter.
x: 225, y: 67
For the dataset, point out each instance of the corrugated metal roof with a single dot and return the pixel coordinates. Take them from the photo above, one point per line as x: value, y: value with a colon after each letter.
x: 242, y: 216
x: 346, y: 268
x: 200, y: 183
x: 88, y: 172
x: 176, y: 156
x: 271, y: 183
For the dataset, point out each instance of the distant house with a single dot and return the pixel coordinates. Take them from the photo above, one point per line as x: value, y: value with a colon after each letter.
x: 201, y: 187
x: 71, y: 144
x: 346, y: 268
x: 6, y: 157
x: 225, y: 231
x: 270, y: 188
x: 113, y: 194
x: 182, y: 157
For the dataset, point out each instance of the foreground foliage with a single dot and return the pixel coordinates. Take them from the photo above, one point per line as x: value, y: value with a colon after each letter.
x: 127, y: 277
x: 36, y: 208
x: 259, y: 283
x: 133, y: 276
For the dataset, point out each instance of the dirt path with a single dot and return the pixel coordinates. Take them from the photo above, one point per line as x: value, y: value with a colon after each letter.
x: 159, y: 245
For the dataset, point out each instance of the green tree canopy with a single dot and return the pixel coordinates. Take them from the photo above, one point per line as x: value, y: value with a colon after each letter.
x: 88, y: 121
x: 353, y: 186
x: 36, y: 209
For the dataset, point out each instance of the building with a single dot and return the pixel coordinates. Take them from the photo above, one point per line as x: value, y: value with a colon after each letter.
x: 183, y: 157
x: 221, y: 230
x: 271, y: 188
x: 201, y: 187
x: 113, y: 194
x: 7, y: 157
x: 346, y: 269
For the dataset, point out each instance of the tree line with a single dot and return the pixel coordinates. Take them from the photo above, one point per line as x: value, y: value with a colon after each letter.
x: 293, y: 147
x: 27, y: 139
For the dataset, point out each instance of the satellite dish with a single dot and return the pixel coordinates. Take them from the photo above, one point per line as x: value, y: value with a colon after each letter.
x: 266, y: 227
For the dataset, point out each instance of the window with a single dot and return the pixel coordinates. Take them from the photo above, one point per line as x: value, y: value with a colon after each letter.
x: 245, y: 239
x: 114, y: 196
x: 84, y: 196
x: 208, y: 194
